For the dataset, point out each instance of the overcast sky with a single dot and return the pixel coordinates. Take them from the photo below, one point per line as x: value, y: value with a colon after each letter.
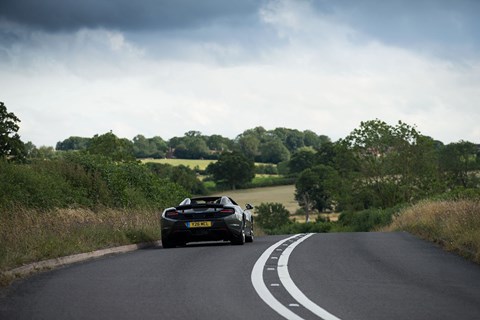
x: 165, y: 67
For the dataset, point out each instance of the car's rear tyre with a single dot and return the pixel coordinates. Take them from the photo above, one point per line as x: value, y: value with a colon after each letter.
x: 239, y: 239
x: 166, y: 243
x: 249, y: 238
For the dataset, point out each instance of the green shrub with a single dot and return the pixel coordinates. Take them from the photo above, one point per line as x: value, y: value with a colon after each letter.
x: 271, y: 216
x: 367, y: 220
x: 296, y: 227
x: 82, y: 180
x: 265, y: 169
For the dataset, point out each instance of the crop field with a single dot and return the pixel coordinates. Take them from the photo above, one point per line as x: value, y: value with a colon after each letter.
x: 281, y: 194
x: 201, y: 164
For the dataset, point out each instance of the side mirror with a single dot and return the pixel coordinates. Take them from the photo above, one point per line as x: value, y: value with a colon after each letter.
x: 249, y: 206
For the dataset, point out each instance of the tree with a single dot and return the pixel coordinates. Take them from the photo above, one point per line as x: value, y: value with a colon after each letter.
x: 112, y: 147
x: 395, y: 163
x: 311, y: 139
x: 232, y: 169
x: 303, y: 159
x: 317, y: 188
x: 181, y: 175
x: 73, y: 143
x: 273, y: 151
x: 248, y: 145
x: 11, y: 147
x: 272, y: 215
x: 459, y: 161
x: 219, y: 143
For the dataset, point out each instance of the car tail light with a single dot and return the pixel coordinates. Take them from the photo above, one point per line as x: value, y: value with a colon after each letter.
x: 171, y: 214
x: 228, y: 211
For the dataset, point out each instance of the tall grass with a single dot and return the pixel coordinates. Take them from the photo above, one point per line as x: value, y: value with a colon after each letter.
x: 29, y: 235
x: 453, y: 224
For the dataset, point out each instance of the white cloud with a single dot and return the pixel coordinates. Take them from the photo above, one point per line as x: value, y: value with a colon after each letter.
x: 311, y: 72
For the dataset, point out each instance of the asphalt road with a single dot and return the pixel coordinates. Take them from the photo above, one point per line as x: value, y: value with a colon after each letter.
x: 352, y: 275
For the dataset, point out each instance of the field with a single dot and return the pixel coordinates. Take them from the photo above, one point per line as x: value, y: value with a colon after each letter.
x: 255, y: 196
x: 201, y: 164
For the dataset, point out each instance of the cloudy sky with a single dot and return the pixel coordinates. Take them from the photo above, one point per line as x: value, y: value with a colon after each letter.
x: 164, y: 67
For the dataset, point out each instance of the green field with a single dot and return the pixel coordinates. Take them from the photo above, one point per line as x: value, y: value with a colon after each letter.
x: 281, y: 194
x: 201, y: 164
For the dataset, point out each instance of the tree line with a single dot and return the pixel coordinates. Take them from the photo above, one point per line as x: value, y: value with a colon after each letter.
x: 258, y: 144
x: 376, y: 166
x: 382, y: 166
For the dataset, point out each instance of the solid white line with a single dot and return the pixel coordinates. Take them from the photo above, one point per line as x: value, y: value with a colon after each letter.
x: 290, y: 286
x: 261, y: 288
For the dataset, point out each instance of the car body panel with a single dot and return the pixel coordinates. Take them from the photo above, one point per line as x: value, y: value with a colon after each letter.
x: 206, y: 219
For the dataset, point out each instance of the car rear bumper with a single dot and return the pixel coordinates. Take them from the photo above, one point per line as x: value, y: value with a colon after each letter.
x: 178, y: 231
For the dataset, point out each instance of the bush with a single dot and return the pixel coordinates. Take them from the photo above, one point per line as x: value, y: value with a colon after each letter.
x: 82, y: 180
x: 265, y: 169
x: 271, y: 216
x: 296, y: 227
x: 367, y: 220
x: 459, y: 193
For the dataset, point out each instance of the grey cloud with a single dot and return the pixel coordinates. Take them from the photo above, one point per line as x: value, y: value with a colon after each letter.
x: 54, y: 15
x: 443, y: 23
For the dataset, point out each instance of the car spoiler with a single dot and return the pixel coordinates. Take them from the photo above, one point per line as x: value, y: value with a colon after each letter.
x: 200, y: 205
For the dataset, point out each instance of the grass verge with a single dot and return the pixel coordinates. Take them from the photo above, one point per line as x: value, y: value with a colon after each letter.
x: 455, y: 225
x: 29, y: 235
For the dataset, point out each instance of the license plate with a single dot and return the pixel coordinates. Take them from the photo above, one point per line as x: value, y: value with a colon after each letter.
x: 199, y: 224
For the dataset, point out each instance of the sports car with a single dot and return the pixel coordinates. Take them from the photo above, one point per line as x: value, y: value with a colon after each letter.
x: 206, y: 219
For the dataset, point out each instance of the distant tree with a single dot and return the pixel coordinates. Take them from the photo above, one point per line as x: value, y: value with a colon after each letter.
x: 44, y: 152
x: 291, y: 138
x: 273, y: 151
x: 248, y: 145
x: 181, y: 175
x: 193, y: 145
x: 459, y: 162
x: 271, y: 215
x: 141, y: 147
x: 11, y: 147
x: 73, y: 143
x: 159, y: 147
x: 232, y: 169
x: 112, y: 147
x: 311, y: 139
x: 302, y: 159
x: 154, y: 147
x: 317, y: 188
x: 218, y: 143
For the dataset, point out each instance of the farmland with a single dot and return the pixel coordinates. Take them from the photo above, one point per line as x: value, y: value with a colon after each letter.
x: 192, y: 164
x: 281, y: 194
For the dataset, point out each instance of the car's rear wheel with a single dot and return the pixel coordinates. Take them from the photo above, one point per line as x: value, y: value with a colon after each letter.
x: 166, y: 243
x: 239, y: 239
x: 249, y: 238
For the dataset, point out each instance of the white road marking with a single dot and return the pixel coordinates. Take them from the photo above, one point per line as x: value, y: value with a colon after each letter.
x: 287, y: 282
x: 294, y: 291
x: 262, y: 290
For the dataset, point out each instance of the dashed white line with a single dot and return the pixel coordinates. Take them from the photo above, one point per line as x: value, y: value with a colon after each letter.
x: 294, y: 291
x: 287, y: 282
x: 262, y: 290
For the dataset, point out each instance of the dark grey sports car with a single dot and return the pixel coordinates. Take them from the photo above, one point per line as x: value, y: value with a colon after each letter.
x: 206, y: 219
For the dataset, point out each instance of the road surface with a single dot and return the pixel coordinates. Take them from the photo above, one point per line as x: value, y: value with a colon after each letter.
x: 348, y: 275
